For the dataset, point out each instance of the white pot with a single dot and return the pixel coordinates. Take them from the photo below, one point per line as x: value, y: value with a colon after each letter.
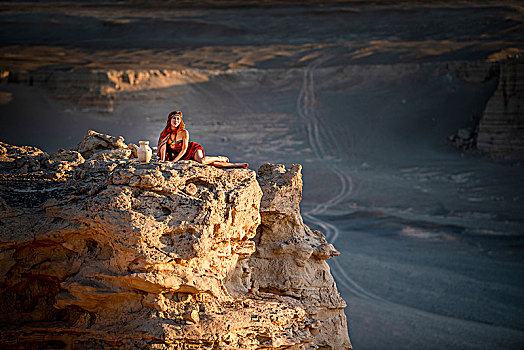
x: 144, y: 152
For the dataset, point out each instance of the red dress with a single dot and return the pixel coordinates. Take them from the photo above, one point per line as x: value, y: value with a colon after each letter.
x: 174, y: 147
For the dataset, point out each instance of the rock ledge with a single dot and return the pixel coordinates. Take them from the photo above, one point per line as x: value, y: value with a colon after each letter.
x: 100, y: 251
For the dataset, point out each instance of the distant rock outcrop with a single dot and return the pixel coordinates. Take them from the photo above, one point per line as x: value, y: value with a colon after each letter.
x: 99, y: 90
x: 117, y: 254
x: 501, y: 128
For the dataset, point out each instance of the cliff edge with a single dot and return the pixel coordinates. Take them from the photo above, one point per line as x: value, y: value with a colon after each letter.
x: 100, y: 251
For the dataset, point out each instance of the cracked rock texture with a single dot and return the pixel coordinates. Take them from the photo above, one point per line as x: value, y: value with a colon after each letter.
x: 100, y: 251
x: 290, y: 257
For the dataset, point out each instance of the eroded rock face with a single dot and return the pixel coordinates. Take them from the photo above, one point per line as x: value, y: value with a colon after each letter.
x: 100, y: 89
x: 162, y: 255
x: 290, y: 257
x: 501, y: 128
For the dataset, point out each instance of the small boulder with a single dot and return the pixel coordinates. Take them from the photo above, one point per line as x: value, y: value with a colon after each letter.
x: 134, y: 150
x: 95, y: 142
x: 192, y: 316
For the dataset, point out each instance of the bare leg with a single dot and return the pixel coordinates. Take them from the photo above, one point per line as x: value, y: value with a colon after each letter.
x: 230, y: 165
x: 210, y: 160
x: 219, y: 162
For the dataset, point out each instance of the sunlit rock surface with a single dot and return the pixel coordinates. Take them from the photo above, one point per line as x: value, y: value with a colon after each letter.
x: 114, y: 253
x: 97, y: 90
x: 290, y: 257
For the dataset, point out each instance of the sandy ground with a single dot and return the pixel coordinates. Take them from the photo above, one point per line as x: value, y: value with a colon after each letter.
x: 431, y: 239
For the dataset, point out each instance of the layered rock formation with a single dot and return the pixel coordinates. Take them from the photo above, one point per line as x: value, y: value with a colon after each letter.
x: 112, y: 253
x: 501, y: 128
x: 290, y: 257
x: 98, y: 90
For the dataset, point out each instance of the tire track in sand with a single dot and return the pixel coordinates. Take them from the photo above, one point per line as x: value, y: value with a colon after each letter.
x: 306, y: 109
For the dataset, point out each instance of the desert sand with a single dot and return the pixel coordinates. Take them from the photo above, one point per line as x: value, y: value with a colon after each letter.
x: 362, y: 94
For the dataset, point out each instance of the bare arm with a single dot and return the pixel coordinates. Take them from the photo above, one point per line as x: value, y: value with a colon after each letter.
x: 185, y: 143
x: 163, y: 152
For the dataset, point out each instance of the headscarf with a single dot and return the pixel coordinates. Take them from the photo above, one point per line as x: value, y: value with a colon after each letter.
x: 168, y: 130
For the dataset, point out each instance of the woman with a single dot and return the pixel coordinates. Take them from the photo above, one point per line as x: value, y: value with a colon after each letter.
x: 174, y: 145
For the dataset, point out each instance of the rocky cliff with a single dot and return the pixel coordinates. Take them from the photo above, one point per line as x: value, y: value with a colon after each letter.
x: 501, y: 128
x: 500, y: 131
x: 98, y: 90
x: 100, y: 251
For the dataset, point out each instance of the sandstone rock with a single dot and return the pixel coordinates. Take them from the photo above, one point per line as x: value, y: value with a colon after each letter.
x: 98, y: 90
x: 161, y: 255
x: 501, y: 128
x: 10, y: 152
x: 113, y: 154
x: 54, y: 165
x: 192, y: 316
x: 134, y: 150
x: 290, y: 257
x: 27, y: 164
x: 500, y: 131
x: 474, y: 71
x: 27, y: 160
x: 95, y: 142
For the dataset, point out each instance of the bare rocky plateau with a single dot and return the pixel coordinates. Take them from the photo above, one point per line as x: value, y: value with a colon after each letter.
x: 100, y: 251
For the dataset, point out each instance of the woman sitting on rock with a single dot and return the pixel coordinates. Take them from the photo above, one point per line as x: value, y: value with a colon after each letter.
x: 174, y: 145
